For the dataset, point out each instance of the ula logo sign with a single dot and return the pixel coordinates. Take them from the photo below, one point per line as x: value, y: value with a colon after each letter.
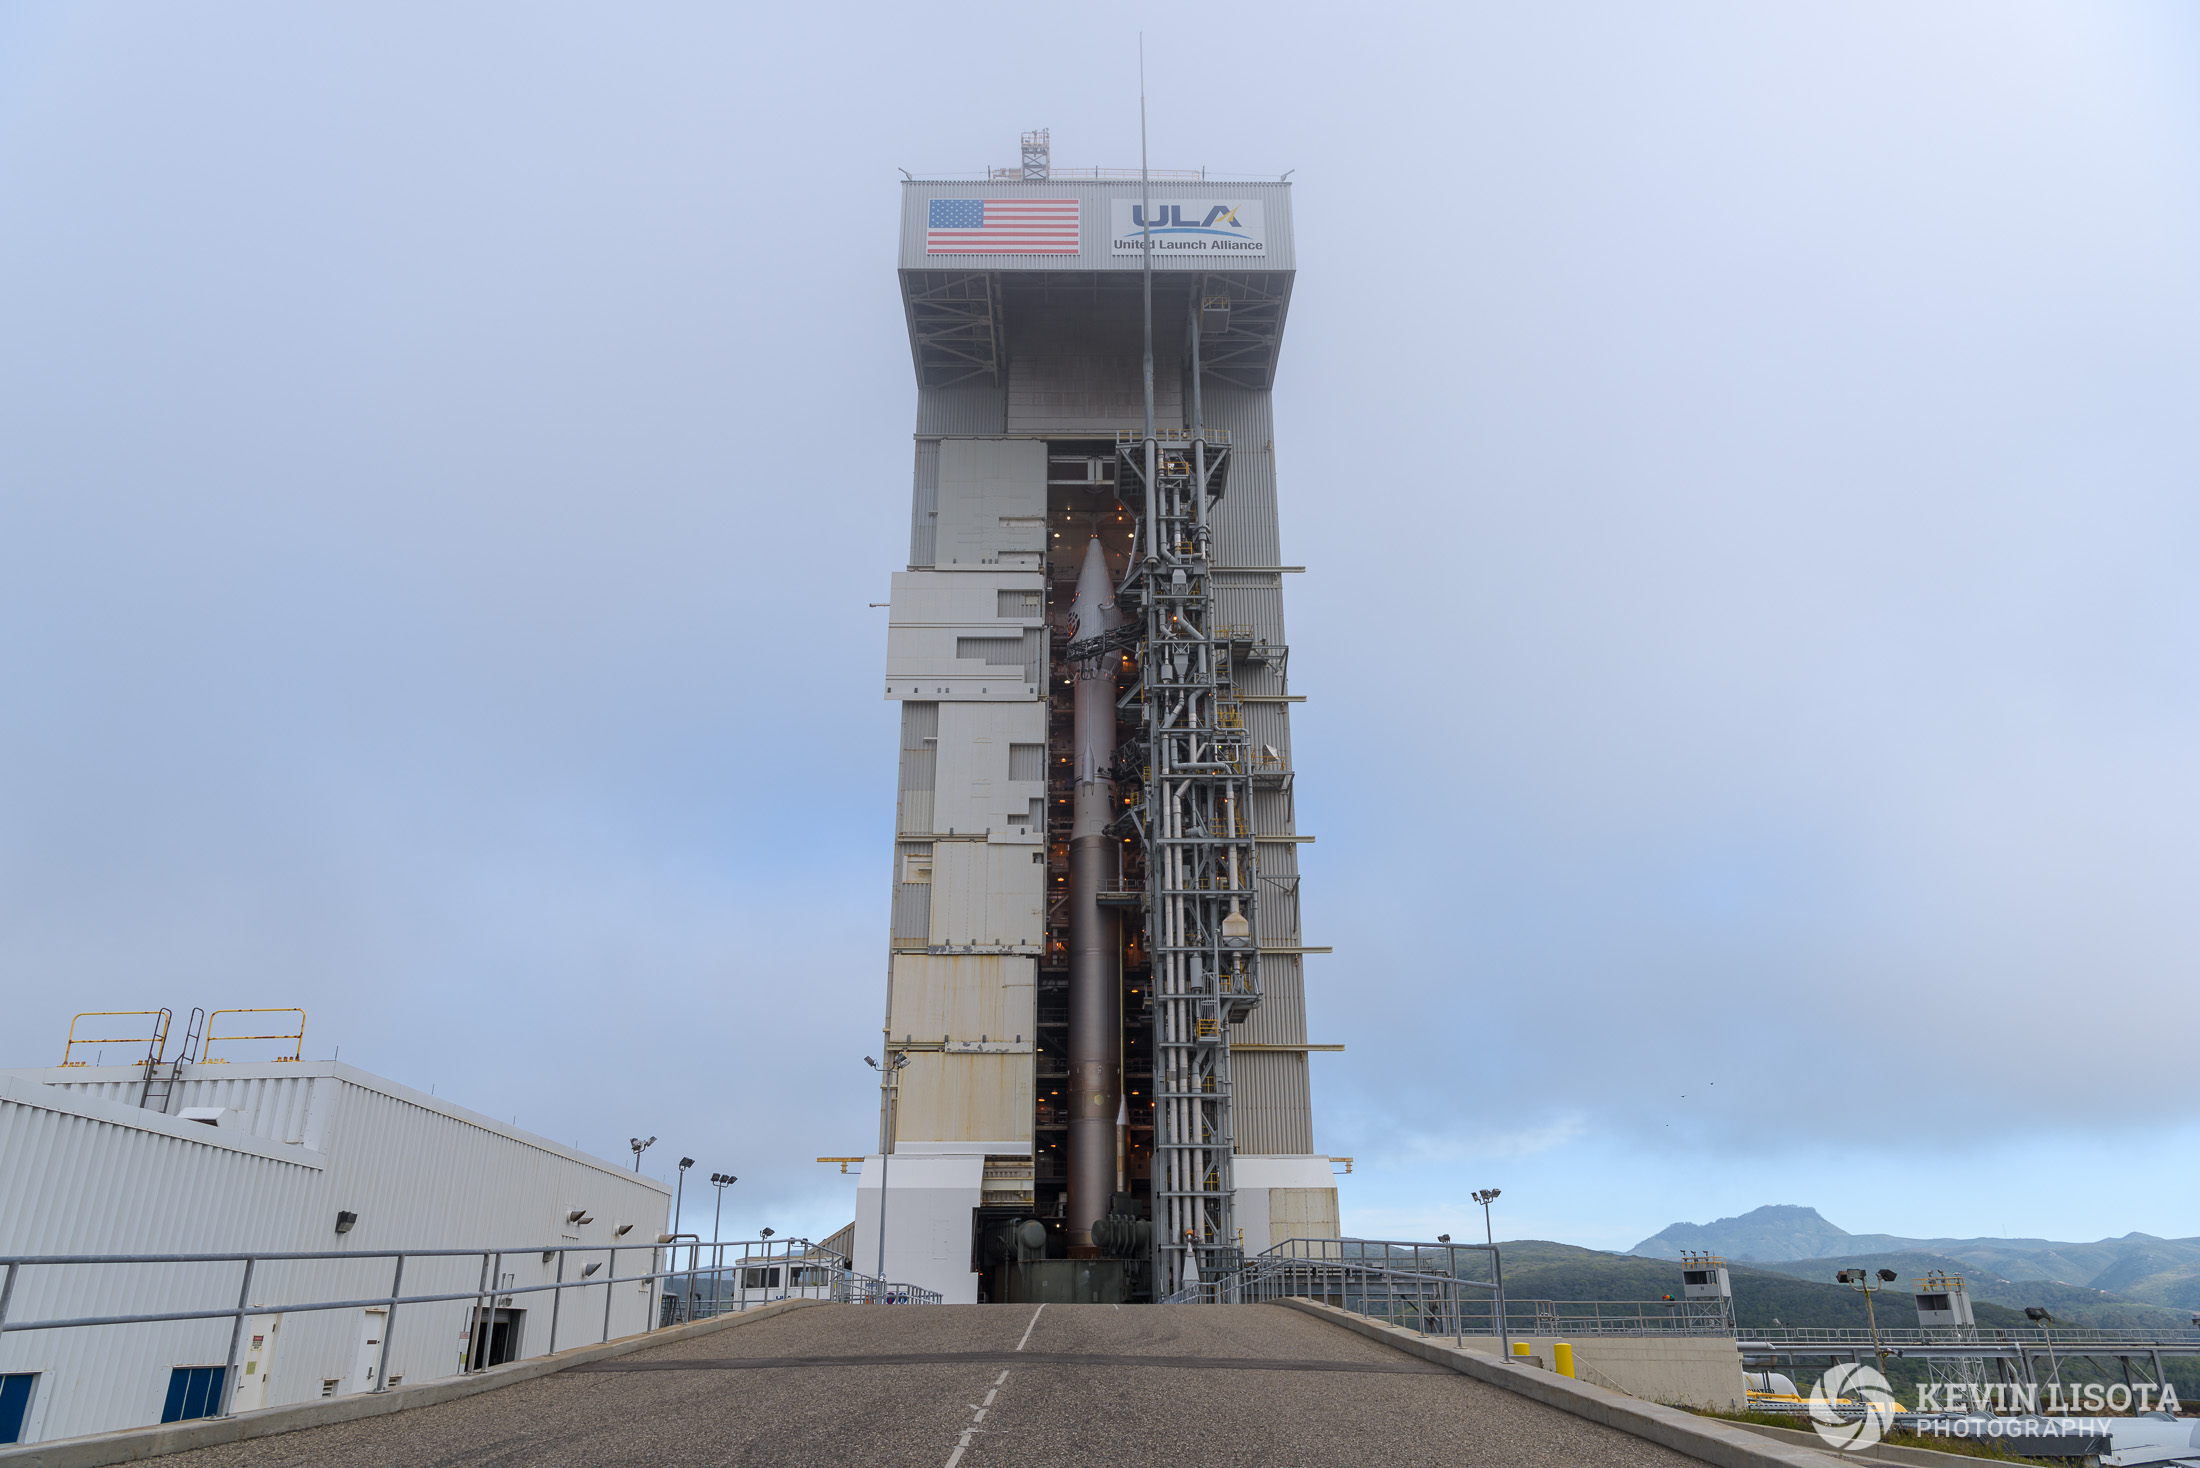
x: 1207, y: 227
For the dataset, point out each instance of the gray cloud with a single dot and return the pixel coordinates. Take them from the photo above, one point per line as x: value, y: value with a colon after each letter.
x: 1743, y: 456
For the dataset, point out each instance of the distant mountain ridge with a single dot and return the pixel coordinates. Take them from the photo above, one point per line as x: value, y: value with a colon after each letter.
x: 2135, y: 1268
x: 1778, y: 1231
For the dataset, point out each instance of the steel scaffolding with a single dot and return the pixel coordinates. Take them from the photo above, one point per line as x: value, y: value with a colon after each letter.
x: 1194, y: 763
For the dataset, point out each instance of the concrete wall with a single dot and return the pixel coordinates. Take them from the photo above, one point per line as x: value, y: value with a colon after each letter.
x: 1696, y: 1371
x: 1282, y: 1198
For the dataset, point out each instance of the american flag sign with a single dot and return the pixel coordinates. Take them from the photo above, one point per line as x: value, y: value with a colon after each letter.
x: 1002, y: 227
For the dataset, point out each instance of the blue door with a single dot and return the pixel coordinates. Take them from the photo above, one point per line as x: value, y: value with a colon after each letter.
x: 15, y: 1404
x: 193, y: 1391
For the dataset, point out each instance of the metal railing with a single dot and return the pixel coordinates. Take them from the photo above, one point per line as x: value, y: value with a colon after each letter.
x: 1423, y: 1287
x: 1618, y: 1317
x: 1429, y: 1288
x: 1121, y: 175
x: 764, y: 1270
x: 803, y: 1270
x: 2060, y: 1337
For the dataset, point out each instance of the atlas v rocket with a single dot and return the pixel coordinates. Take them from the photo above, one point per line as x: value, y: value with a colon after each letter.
x: 1095, y: 1018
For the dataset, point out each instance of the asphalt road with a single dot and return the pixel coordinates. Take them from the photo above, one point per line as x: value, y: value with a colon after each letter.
x: 980, y: 1386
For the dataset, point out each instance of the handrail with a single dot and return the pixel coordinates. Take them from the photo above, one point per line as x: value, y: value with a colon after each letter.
x: 156, y: 1043
x: 839, y: 1280
x: 1984, y: 1335
x: 207, y: 1051
x: 1352, y: 1275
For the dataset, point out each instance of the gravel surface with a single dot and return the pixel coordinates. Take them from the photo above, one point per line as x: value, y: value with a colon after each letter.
x: 1264, y: 1401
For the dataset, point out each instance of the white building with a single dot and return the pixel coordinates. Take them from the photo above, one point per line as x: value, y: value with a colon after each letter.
x: 280, y: 1157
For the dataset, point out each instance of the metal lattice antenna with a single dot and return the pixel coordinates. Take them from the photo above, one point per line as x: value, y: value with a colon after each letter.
x: 1038, y: 155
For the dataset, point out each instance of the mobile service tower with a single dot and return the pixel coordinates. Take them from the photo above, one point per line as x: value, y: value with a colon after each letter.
x: 1095, y: 1018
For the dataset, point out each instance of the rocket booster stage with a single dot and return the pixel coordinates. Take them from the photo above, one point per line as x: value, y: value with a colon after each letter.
x: 1095, y: 1013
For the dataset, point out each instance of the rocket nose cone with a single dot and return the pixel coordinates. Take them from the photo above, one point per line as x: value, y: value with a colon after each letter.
x: 1095, y: 589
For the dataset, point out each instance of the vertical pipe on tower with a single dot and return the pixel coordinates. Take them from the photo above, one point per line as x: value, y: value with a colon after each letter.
x: 1199, y: 428
x: 1145, y: 271
x: 1095, y: 1012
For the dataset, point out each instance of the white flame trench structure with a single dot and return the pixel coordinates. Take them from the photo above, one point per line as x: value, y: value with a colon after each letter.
x: 1059, y: 1060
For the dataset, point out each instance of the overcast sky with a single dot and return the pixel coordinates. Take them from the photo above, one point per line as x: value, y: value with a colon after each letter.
x: 1745, y: 457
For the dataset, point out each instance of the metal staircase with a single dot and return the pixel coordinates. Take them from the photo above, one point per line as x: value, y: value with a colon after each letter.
x: 162, y: 1075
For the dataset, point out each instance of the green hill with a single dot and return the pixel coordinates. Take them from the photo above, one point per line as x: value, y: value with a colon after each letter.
x: 1768, y: 1295
x: 2135, y: 1269
x: 2070, y: 1304
x: 1538, y: 1269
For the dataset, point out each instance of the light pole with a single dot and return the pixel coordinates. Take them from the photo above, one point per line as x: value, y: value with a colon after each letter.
x: 1862, y: 1279
x: 721, y: 1181
x: 640, y: 1145
x: 1486, y: 1197
x: 678, y: 1192
x: 888, y: 1083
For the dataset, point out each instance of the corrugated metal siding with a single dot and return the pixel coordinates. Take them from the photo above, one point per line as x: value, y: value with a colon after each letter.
x: 275, y: 1108
x: 1077, y: 367
x: 1027, y: 651
x: 920, y: 728
x: 417, y: 1176
x: 1275, y: 201
x: 1269, y: 724
x: 1246, y: 532
x: 912, y: 918
x: 961, y: 410
x: 1280, y: 1018
x: 1027, y: 762
x: 924, y: 505
x: 998, y: 652
x: 1279, y: 917
x: 1271, y: 1105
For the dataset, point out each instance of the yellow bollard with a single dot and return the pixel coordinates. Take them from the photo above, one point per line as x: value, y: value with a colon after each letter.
x: 1520, y: 1348
x: 1562, y: 1359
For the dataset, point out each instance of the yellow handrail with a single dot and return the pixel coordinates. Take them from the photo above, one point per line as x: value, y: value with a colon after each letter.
x: 298, y: 1035
x: 158, y: 1039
